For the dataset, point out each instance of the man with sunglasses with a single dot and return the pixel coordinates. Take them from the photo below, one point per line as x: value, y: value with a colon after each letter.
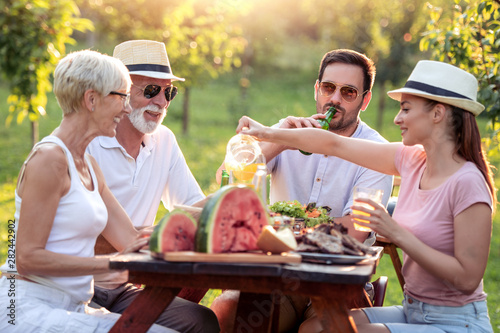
x: 345, y: 81
x: 143, y: 166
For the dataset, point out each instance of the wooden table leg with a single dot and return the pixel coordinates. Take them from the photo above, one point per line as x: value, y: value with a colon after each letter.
x: 333, y: 315
x: 144, y: 310
x: 392, y: 250
x: 275, y: 320
x: 332, y: 308
x: 257, y: 313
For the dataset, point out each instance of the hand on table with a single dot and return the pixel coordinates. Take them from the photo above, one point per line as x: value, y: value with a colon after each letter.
x: 141, y: 241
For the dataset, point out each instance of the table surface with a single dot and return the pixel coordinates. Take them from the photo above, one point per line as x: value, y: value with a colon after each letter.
x: 329, y: 286
x: 348, y: 274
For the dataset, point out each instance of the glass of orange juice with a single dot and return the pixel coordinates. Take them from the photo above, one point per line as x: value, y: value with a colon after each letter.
x: 243, y: 156
x: 367, y: 193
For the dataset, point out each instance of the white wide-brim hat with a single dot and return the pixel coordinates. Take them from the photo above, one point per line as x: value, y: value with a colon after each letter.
x: 444, y: 83
x: 145, y: 57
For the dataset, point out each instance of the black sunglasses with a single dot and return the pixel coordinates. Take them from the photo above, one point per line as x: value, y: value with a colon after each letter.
x: 151, y: 90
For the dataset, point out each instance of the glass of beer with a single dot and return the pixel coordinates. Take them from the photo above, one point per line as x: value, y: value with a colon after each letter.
x: 367, y: 193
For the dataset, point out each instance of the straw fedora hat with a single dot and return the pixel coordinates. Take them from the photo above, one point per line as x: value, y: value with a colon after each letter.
x: 444, y: 83
x: 146, y: 58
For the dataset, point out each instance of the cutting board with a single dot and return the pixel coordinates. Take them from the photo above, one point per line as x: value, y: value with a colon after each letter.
x: 243, y: 257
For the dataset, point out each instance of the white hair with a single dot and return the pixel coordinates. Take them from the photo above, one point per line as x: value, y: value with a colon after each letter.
x: 83, y: 70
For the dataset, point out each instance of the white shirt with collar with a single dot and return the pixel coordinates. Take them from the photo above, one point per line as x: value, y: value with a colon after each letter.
x: 325, y: 180
x: 160, y: 173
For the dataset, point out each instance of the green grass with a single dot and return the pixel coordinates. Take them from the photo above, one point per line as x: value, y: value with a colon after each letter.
x: 214, y: 113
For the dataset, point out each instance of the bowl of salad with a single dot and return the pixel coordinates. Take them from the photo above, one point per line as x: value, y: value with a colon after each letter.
x: 310, y: 213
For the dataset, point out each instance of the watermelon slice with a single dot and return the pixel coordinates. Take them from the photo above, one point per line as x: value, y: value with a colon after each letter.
x: 175, y: 232
x: 231, y: 221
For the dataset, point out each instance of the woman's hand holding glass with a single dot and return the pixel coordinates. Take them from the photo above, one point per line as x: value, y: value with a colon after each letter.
x: 365, y: 193
x: 378, y: 218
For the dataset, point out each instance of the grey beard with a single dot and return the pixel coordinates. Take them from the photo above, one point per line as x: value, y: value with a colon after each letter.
x: 142, y: 125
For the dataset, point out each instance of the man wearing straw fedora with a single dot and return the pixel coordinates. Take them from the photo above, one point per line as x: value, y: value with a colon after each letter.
x: 143, y: 166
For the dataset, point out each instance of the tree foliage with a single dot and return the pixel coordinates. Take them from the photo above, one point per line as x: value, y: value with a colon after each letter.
x: 205, y: 38
x: 32, y: 40
x: 471, y: 40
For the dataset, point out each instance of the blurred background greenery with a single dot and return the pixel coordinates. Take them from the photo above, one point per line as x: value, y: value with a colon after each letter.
x: 240, y: 57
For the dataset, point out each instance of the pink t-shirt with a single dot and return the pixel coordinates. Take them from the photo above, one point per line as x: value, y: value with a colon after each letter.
x: 429, y: 215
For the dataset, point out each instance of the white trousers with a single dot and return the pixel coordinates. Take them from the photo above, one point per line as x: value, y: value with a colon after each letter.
x: 31, y: 307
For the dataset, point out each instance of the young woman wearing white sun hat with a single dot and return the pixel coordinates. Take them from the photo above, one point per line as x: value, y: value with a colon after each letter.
x: 443, y: 219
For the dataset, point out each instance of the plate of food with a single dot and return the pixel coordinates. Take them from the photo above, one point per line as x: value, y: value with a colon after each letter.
x: 330, y: 259
x: 330, y: 244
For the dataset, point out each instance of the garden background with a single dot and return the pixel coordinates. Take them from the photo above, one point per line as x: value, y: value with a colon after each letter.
x: 257, y: 58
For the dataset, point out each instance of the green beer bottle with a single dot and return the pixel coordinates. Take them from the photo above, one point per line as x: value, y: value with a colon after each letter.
x: 324, y: 122
x: 225, y: 178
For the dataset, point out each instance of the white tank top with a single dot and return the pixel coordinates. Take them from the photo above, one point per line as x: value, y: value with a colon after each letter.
x: 80, y: 218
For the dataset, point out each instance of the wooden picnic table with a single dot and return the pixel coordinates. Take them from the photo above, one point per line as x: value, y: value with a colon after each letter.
x: 330, y: 286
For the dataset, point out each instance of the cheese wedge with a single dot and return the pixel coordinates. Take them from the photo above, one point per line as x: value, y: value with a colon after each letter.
x: 274, y: 241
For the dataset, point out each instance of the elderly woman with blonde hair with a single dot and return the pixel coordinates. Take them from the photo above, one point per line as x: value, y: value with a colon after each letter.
x: 63, y: 204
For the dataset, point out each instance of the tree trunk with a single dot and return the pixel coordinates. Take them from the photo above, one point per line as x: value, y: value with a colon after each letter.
x: 244, y: 82
x: 185, y: 112
x: 381, y: 106
x: 34, y: 132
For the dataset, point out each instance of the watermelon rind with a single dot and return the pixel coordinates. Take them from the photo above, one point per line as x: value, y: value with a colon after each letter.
x: 155, y: 239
